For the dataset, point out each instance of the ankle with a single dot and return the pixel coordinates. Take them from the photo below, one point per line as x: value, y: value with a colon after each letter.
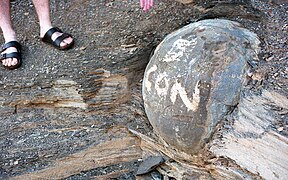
x: 44, y: 29
x: 9, y: 37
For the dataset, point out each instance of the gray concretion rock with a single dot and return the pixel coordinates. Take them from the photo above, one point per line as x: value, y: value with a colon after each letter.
x: 194, y: 79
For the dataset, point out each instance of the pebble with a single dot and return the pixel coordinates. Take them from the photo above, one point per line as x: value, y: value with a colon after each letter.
x: 280, y: 129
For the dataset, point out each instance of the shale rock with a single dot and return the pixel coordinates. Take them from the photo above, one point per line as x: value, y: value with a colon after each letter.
x: 194, y: 79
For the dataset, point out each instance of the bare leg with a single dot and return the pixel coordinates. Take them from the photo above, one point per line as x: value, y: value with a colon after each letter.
x: 7, y: 29
x: 43, y: 11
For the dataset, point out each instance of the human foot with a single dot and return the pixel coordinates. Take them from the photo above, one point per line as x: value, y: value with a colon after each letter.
x: 55, y: 37
x: 11, y: 55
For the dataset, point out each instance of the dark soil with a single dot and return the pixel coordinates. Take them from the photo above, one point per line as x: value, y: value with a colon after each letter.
x: 102, y: 29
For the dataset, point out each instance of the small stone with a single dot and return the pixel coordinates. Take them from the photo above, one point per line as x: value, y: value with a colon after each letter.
x: 109, y: 4
x: 150, y: 164
x: 156, y: 175
x: 280, y: 129
x: 269, y: 59
x: 83, y: 48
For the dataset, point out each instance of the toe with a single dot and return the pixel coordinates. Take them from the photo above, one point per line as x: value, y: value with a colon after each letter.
x: 10, y: 62
x: 66, y: 42
x: 6, y: 62
x: 14, y: 61
x: 63, y: 44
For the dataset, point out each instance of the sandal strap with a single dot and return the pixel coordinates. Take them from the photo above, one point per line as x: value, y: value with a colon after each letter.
x: 48, y: 35
x: 16, y: 55
x: 60, y: 39
x: 11, y: 44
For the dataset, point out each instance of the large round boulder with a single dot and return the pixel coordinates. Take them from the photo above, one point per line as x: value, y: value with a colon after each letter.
x: 194, y: 79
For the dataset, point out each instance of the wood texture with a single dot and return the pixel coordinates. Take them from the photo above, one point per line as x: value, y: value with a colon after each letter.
x: 251, y: 142
x: 105, y: 154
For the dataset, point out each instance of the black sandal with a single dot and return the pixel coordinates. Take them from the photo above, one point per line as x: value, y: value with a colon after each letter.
x: 16, y: 55
x: 47, y: 38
